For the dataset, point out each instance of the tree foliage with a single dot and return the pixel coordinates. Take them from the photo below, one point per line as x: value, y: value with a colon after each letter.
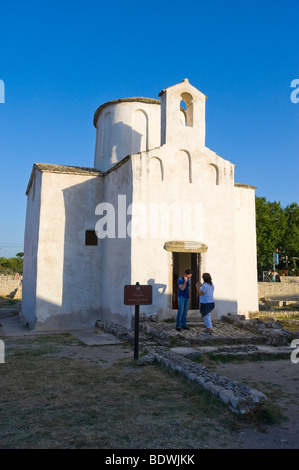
x: 11, y: 265
x: 277, y: 228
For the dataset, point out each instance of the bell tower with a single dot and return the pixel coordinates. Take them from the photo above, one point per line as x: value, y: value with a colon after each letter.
x: 183, y: 114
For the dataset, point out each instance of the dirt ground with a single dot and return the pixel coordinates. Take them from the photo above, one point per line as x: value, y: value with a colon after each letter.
x: 56, y: 392
x: 279, y: 380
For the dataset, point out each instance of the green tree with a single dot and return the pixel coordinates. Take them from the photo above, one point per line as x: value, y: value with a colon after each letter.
x: 290, y: 245
x: 270, y: 224
x: 276, y: 228
x: 11, y: 265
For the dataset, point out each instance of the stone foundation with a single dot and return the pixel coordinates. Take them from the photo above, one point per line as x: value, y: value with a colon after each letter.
x: 271, y: 332
x: 240, y: 399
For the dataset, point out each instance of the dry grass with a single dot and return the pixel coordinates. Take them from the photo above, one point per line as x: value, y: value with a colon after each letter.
x: 49, y: 400
x: 6, y: 301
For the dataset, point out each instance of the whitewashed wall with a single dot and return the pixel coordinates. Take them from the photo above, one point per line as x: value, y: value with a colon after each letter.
x: 31, y: 246
x: 68, y: 289
x: 124, y: 128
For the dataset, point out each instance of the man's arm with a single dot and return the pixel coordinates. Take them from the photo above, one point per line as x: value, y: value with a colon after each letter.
x: 182, y: 286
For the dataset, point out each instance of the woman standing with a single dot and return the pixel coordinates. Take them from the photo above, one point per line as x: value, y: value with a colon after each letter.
x: 206, y: 294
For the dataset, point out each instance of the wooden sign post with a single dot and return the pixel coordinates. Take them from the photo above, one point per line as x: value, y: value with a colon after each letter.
x: 137, y: 295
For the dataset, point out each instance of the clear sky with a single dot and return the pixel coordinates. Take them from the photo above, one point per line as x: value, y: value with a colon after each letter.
x: 60, y: 60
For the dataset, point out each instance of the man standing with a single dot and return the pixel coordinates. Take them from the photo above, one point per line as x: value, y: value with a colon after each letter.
x: 183, y: 300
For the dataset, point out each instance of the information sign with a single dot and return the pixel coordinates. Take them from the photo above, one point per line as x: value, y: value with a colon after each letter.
x: 138, y: 295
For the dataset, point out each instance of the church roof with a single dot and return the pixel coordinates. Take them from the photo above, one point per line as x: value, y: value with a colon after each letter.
x: 63, y: 169
x: 123, y: 100
x: 77, y: 170
x: 246, y: 186
x: 184, y: 85
x: 72, y: 170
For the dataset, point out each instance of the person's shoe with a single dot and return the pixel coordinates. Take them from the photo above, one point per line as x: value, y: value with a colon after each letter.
x: 178, y: 329
x: 186, y: 328
x: 206, y: 333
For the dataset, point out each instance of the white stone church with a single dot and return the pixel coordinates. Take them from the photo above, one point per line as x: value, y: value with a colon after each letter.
x: 157, y: 201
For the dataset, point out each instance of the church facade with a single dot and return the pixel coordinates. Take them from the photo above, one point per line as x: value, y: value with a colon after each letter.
x: 157, y: 201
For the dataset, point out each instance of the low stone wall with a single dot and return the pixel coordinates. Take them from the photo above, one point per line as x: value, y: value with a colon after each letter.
x: 272, y: 313
x: 291, y: 279
x: 240, y: 398
x: 10, y: 287
x: 287, y: 289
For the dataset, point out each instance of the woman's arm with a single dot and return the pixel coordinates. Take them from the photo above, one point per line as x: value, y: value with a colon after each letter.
x: 199, y: 291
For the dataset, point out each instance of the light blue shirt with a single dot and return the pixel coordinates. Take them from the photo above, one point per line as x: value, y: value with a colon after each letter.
x: 208, y: 297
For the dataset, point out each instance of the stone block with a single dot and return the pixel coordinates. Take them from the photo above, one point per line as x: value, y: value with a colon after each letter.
x: 234, y: 401
x: 146, y: 360
x: 226, y: 395
x: 208, y: 349
x: 187, y: 352
x: 258, y: 397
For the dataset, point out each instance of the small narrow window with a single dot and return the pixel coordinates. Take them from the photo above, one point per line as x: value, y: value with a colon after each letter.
x: 187, y: 105
x: 91, y: 237
x: 183, y: 109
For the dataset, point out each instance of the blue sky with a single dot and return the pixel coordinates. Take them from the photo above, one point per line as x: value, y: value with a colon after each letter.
x: 60, y: 60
